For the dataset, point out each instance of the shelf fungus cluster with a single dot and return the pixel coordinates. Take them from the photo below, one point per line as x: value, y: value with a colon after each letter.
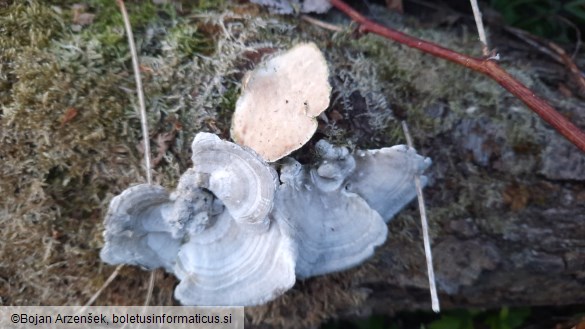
x: 236, y: 232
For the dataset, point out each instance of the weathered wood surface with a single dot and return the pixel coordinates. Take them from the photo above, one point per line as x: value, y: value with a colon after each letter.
x: 507, y: 212
x: 526, y: 249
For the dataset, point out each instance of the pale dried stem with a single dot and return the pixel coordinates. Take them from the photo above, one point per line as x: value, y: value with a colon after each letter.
x: 143, y: 119
x: 141, y: 103
x: 104, y: 286
x: 480, y: 28
x: 321, y: 24
x: 150, y: 288
x: 577, y: 35
x: 554, y: 51
x: 146, y: 141
x: 425, y: 231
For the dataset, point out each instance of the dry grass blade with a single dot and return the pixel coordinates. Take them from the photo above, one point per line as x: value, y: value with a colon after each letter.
x: 480, y: 28
x: 425, y: 231
x: 143, y: 121
x: 104, y: 286
x: 555, y: 52
x: 150, y: 288
x: 146, y: 140
x: 321, y: 24
x: 141, y: 103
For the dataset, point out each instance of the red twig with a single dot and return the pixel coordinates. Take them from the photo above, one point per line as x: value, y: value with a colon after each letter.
x: 485, y: 66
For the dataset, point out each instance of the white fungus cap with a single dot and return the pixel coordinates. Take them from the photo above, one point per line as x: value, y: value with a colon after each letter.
x: 276, y: 112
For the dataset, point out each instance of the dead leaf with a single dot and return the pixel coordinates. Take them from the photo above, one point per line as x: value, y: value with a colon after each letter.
x: 69, y: 115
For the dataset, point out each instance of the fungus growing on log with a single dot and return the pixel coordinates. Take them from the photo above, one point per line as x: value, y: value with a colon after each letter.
x: 292, y: 6
x: 322, y: 220
x: 232, y: 232
x: 133, y: 218
x: 330, y: 207
x: 228, y: 265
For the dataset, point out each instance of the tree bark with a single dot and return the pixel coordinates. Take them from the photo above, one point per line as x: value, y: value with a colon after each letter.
x: 534, y: 256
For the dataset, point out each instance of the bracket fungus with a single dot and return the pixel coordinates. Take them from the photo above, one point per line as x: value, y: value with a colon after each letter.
x: 384, y: 177
x: 276, y: 112
x: 334, y: 229
x: 324, y: 219
x: 337, y: 209
x: 228, y: 265
x: 295, y: 6
x: 190, y: 233
x: 233, y: 232
x: 132, y: 222
x: 240, y: 178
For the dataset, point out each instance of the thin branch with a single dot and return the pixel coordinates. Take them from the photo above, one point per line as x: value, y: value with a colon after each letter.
x: 571, y: 66
x: 425, y: 231
x: 141, y: 103
x: 484, y: 66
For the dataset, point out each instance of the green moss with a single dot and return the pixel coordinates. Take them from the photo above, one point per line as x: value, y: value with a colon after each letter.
x: 25, y: 24
x: 69, y: 137
x: 141, y: 14
x: 207, y: 5
x: 42, y: 97
x: 227, y: 106
x: 107, y: 28
x: 188, y: 41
